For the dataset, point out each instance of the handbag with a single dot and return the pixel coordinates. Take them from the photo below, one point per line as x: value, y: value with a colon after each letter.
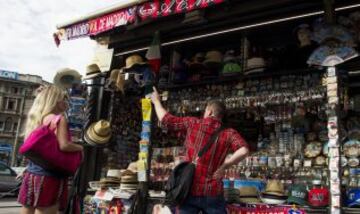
x: 180, y: 181
x: 42, y: 148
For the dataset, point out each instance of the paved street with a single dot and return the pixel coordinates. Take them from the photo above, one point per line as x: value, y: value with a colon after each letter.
x: 9, y: 206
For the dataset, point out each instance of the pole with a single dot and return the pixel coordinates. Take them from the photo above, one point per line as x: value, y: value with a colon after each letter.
x: 16, y: 141
x: 334, y: 143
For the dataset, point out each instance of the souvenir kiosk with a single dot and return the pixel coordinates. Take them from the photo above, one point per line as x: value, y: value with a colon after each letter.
x: 286, y: 72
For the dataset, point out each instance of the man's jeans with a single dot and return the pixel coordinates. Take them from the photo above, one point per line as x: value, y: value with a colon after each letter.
x: 205, y: 204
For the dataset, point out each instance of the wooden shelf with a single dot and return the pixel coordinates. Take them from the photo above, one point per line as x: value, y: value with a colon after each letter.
x: 233, y: 78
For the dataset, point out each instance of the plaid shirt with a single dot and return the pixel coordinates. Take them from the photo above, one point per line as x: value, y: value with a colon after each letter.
x: 198, y: 132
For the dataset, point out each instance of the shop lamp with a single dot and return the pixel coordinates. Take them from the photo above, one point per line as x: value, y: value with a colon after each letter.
x: 242, y: 28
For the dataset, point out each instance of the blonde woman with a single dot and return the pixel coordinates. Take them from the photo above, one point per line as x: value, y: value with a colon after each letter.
x: 43, y: 191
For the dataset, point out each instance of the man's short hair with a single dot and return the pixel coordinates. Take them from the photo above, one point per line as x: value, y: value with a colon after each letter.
x: 218, y: 108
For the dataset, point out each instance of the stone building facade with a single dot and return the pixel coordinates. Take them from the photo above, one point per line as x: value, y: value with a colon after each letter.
x: 16, y: 99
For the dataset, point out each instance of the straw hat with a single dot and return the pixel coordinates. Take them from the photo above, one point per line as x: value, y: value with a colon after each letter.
x: 99, y: 132
x: 66, y: 77
x: 275, y: 187
x: 115, y: 173
x: 92, y: 71
x: 249, y: 195
x: 133, y: 167
x: 134, y: 60
x: 213, y: 57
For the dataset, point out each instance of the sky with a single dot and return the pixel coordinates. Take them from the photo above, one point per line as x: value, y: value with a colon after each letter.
x: 26, y: 42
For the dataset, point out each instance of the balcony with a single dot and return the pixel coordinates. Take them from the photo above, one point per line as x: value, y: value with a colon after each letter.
x: 7, y: 134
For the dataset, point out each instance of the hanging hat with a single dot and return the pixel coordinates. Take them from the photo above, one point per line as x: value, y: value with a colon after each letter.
x: 66, y: 77
x: 255, y: 65
x: 298, y: 195
x: 133, y: 60
x: 98, y: 132
x: 92, y: 71
x: 249, y: 195
x: 274, y: 187
x: 213, y: 57
x: 231, y: 68
x: 230, y: 56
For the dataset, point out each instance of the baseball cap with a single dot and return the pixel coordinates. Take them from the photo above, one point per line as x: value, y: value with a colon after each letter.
x: 319, y: 197
x: 298, y: 195
x: 353, y: 197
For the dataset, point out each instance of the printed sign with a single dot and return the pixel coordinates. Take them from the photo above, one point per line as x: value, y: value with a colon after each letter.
x: 158, y: 8
x: 8, y: 74
x: 153, y: 9
x: 112, y: 20
x: 76, y: 31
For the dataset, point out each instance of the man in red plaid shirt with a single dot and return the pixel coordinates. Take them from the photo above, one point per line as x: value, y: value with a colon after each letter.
x: 207, y: 189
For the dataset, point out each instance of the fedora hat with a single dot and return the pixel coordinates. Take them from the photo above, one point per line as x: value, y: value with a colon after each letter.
x: 99, y: 132
x: 114, y: 173
x: 249, y: 195
x: 66, y: 77
x: 134, y: 60
x: 92, y: 71
x: 275, y: 187
x: 213, y: 57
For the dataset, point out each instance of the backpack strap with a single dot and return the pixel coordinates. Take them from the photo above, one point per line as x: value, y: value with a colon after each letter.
x: 212, y: 139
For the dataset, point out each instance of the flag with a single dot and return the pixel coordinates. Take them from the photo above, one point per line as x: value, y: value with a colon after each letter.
x: 153, y: 54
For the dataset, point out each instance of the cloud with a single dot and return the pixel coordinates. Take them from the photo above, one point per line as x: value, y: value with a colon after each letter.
x: 26, y: 41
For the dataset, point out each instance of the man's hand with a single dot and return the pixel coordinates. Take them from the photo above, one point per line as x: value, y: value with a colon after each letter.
x: 219, y: 174
x: 155, y: 97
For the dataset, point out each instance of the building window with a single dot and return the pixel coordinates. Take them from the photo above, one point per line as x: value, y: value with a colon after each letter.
x: 8, y: 124
x: 11, y: 104
x: 2, y: 124
x: 15, y: 125
x: 14, y: 90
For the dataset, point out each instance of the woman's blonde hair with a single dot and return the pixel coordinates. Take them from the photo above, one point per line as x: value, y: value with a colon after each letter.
x: 44, y: 104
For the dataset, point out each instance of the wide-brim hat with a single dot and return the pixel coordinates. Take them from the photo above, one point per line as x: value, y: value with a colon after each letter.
x: 110, y: 180
x: 99, y: 132
x: 230, y: 56
x: 126, y: 172
x: 249, y: 195
x: 128, y: 186
x: 134, y: 60
x: 249, y: 200
x: 133, y: 167
x: 66, y: 77
x: 213, y: 57
x: 272, y: 201
x: 114, y: 173
x: 274, y: 188
x: 255, y: 63
x: 92, y: 71
x: 231, y: 68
